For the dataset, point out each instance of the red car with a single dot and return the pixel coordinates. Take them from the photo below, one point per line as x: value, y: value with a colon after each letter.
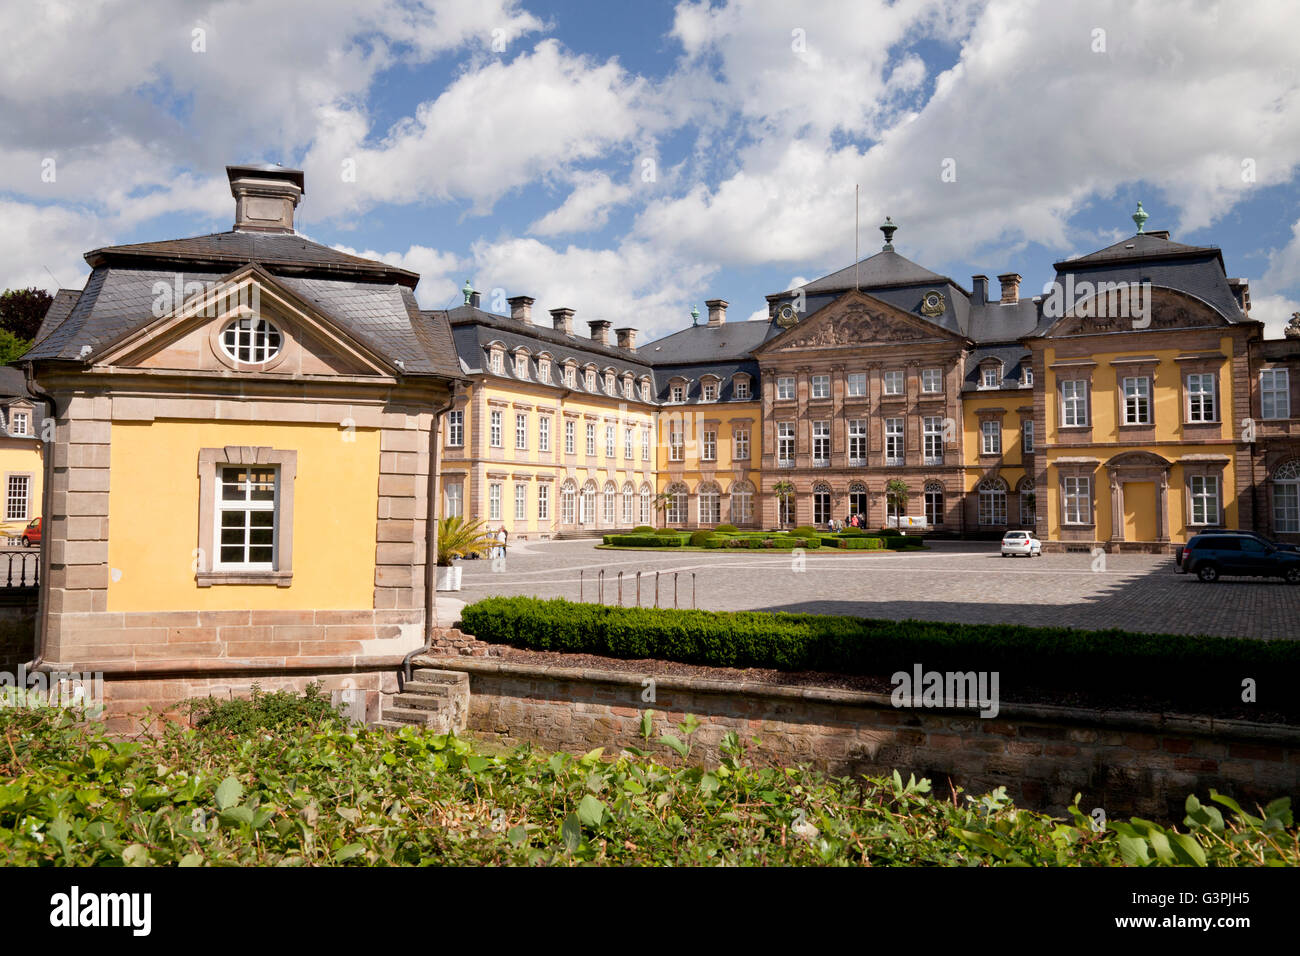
x: 32, y: 533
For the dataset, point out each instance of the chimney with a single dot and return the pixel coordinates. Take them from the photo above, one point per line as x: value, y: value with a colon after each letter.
x: 1010, y: 288
x: 717, y: 312
x: 521, y: 308
x: 562, y: 319
x: 599, y: 331
x: 475, y: 300
x: 626, y: 339
x: 979, y: 289
x: 265, y: 197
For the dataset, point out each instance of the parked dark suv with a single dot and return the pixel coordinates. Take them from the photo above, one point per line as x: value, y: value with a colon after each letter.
x: 1214, y: 554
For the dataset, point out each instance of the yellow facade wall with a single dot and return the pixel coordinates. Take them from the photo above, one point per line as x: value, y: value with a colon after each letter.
x: 21, y: 456
x: 154, y: 517
x: 693, y: 421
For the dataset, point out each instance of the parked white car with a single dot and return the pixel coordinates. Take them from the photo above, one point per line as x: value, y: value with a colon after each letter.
x: 1021, y: 542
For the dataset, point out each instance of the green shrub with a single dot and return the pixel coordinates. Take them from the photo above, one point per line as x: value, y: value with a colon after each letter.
x: 645, y: 541
x: 262, y: 711
x: 698, y: 538
x: 805, y: 531
x: 718, y: 541
x: 727, y: 528
x: 664, y: 531
x: 1160, y: 670
x: 643, y: 529
x: 852, y: 532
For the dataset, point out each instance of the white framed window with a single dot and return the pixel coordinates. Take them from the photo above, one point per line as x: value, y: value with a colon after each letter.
x: 627, y: 443
x: 1203, y: 493
x: 521, y: 366
x: 453, y: 500
x: 629, y: 504
x: 676, y: 445
x: 543, y: 502
x: 1028, y: 503
x: 821, y: 506
x: 934, y: 504
x: 251, y: 341
x: 893, y: 382
x: 494, y: 501
x: 246, y: 517
x: 570, y: 376
x: 931, y: 382
x: 993, y: 502
x: 1074, y: 401
x: 932, y: 440
x: 611, y: 442
x: 990, y: 376
x: 645, y: 443
x: 611, y: 501
x: 741, y: 389
x: 677, y: 394
x: 893, y: 441
x: 19, y: 423
x: 589, y: 380
x: 990, y: 438
x: 494, y: 429
x: 456, y: 428
x: 709, y: 452
x: 740, y: 443
x: 587, y: 504
x: 1275, y: 393
x: 857, y: 442
x: 785, y: 387
x: 544, y: 433
x: 568, y: 503
x: 1026, y: 377
x: 1076, y: 499
x: 821, y: 444
x: 1286, y: 498
x: 1027, y: 435
x: 1202, y: 390
x: 742, y: 506
x: 1137, y: 400
x: 785, y: 444
x: 710, y: 505
x: 709, y: 391
x: 645, y: 391
x: 544, y: 370
x: 495, y: 360
x: 609, y: 383
x: 629, y: 386
x: 591, y: 440
x: 675, y: 508
x: 647, y: 504
x: 857, y: 384
x: 570, y: 448
x: 521, y: 501
x: 821, y: 386
x: 521, y: 430
x: 18, y: 498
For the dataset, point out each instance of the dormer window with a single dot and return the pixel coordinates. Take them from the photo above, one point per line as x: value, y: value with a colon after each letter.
x: 496, y: 362
x: 543, y: 370
x: 627, y: 386
x: 570, y: 376
x: 589, y: 380
x: 678, y: 393
x: 990, y: 376
x: 609, y: 383
x: 1026, y: 377
x: 740, y: 388
x: 709, y: 391
x: 521, y: 365
x: 251, y: 340
x: 18, y: 423
x: 645, y: 391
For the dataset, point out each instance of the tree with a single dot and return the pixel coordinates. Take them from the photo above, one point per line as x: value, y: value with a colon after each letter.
x: 12, y: 347
x: 662, y: 500
x: 784, y: 491
x: 896, y: 496
x: 21, y: 311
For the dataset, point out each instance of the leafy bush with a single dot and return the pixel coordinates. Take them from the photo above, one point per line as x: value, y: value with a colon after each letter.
x: 851, y: 531
x: 727, y: 528
x: 698, y: 538
x: 805, y: 531
x: 643, y: 529
x: 1195, y: 672
x: 263, y: 711
x: 853, y: 543
x: 72, y: 796
x: 645, y: 540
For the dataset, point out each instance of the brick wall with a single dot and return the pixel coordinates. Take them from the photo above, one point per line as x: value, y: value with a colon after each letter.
x: 1143, y: 764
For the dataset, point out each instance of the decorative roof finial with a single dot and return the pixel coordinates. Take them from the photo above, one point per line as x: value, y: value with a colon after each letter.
x: 1140, y: 217
x: 467, y: 292
x: 889, y: 227
x: 695, y: 315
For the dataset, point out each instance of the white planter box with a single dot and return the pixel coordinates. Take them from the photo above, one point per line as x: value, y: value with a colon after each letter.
x: 449, y: 578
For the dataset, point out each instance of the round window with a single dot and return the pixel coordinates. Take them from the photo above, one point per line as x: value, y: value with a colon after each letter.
x: 251, y: 341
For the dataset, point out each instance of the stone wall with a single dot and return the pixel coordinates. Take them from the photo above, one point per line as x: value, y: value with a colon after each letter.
x: 17, y: 627
x: 1125, y: 763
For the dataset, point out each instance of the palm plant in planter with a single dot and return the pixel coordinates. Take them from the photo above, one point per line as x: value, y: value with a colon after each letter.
x: 784, y: 491
x: 896, y: 496
x: 456, y: 539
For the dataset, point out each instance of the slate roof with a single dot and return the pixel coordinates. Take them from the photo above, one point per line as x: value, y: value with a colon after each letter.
x: 371, y: 301
x: 701, y: 343
x: 63, y: 302
x: 1142, y: 245
x: 886, y: 268
x: 13, y: 383
x: 1012, y: 358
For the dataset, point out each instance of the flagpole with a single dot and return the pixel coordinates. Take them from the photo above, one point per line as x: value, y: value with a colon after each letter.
x: 855, y: 237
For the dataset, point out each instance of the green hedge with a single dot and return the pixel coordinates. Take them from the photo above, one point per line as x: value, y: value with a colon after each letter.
x: 643, y: 529
x: 857, y: 542
x: 1140, y: 670
x: 644, y: 540
x: 806, y: 531
x: 727, y: 528
x: 699, y: 538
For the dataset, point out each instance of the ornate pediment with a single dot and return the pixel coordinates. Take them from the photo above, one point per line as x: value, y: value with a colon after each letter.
x: 1134, y: 308
x: 857, y: 322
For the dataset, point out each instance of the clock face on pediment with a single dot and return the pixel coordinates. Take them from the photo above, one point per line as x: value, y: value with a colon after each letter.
x: 855, y: 323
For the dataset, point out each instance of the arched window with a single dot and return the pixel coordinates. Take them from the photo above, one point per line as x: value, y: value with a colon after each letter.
x: 857, y: 498
x: 993, y: 502
x: 1286, y: 497
x: 1028, y: 502
x: 933, y: 504
x: 821, y: 503
x: 587, y: 506
x: 675, y: 508
x: 568, y: 501
x: 647, y: 503
x: 742, y: 503
x: 710, y: 503
x: 611, y: 501
x: 629, y: 504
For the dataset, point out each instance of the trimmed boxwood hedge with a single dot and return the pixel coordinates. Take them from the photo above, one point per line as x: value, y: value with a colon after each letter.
x: 1191, y: 673
x: 853, y: 543
x: 700, y: 538
x: 644, y: 540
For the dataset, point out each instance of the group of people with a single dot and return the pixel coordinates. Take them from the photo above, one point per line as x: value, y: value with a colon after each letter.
x: 497, y: 549
x: 850, y: 521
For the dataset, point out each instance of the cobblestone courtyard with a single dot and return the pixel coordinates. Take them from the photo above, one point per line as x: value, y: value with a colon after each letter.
x: 955, y: 581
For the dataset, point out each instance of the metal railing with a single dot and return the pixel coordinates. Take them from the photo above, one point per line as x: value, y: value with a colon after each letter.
x: 600, y: 587
x: 20, y: 569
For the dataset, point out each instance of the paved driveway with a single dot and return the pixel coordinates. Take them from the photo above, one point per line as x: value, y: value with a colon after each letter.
x: 955, y: 581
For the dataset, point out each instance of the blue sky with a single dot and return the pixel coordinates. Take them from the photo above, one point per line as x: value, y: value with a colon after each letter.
x: 631, y: 160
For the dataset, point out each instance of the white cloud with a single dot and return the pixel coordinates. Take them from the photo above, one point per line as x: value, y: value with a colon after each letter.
x: 588, y: 206
x: 438, y: 286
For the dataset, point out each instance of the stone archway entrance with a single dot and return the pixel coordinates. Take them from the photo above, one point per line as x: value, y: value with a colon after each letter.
x: 1139, y: 498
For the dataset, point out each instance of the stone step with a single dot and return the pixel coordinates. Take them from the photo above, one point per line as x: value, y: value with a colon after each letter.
x: 432, y: 676
x: 420, y: 702
x: 427, y: 689
x: 390, y: 725
x: 405, y: 715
